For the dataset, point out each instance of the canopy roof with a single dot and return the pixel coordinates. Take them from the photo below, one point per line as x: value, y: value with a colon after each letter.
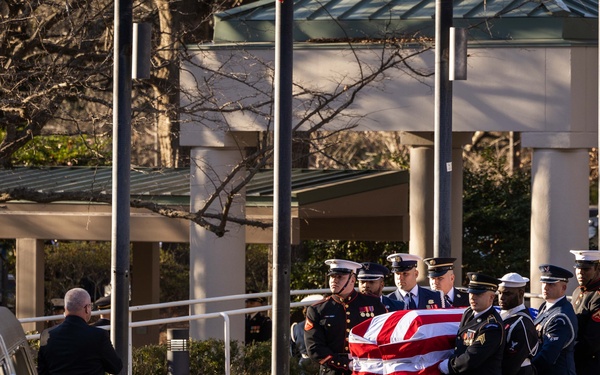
x: 487, y: 20
x: 336, y: 204
x: 172, y: 186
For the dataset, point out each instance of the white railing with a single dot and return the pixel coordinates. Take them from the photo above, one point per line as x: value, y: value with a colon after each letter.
x: 224, y: 314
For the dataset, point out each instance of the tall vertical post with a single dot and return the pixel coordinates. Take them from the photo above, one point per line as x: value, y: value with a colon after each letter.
x: 282, y: 220
x: 121, y: 180
x: 442, y: 131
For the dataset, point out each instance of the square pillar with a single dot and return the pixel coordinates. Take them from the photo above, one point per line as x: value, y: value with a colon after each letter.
x: 145, y: 289
x: 30, y: 281
x: 559, y: 210
x: 421, y: 198
x: 217, y: 264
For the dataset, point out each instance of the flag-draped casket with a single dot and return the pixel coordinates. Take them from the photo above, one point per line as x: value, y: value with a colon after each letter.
x: 407, y: 342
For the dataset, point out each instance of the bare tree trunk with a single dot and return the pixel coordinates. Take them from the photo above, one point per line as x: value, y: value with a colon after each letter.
x: 167, y: 77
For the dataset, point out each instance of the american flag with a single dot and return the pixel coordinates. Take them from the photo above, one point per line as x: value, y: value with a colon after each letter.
x: 408, y: 342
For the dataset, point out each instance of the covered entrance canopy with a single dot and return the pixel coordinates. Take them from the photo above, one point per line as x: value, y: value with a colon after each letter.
x: 532, y: 70
x: 344, y: 204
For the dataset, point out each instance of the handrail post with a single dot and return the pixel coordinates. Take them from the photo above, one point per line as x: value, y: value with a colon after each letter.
x: 226, y: 334
x: 130, y: 346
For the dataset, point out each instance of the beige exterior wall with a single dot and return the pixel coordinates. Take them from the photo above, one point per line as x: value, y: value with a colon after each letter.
x: 529, y: 89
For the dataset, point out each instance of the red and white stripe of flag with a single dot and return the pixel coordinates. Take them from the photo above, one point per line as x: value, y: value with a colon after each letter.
x: 408, y: 342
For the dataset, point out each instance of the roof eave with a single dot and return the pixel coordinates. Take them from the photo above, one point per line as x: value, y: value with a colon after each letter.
x: 546, y: 29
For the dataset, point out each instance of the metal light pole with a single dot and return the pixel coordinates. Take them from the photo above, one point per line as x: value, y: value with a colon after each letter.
x: 442, y: 131
x: 119, y: 324
x: 282, y: 197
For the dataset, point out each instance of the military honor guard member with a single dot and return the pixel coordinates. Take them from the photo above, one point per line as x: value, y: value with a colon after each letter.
x: 371, y: 280
x: 556, y: 324
x: 328, y: 322
x: 414, y: 296
x: 102, y: 303
x: 480, y: 339
x: 297, y: 345
x: 258, y: 325
x: 521, y: 336
x: 586, y: 303
x: 441, y: 277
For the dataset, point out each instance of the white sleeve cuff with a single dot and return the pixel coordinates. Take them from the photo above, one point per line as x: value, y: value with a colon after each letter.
x: 443, y: 367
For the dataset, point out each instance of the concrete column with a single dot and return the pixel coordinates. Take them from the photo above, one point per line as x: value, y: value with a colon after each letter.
x: 145, y: 289
x: 217, y: 264
x: 30, y: 281
x: 559, y: 209
x: 421, y: 206
x: 421, y: 198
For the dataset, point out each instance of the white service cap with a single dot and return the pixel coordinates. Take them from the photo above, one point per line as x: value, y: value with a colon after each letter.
x: 342, y: 266
x: 589, y: 255
x: 312, y: 298
x: 403, y: 257
x: 513, y: 280
x: 402, y: 262
x: 586, y: 258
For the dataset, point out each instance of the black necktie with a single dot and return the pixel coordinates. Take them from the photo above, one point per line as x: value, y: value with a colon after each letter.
x: 448, y: 302
x: 411, y: 302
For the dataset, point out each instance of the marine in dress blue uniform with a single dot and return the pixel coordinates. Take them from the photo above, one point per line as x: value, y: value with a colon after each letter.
x: 258, y: 325
x: 441, y: 277
x: 404, y: 267
x: 297, y: 345
x: 556, y: 324
x: 371, y: 280
x: 329, y: 321
x: 521, y: 336
x: 480, y: 338
x: 586, y: 303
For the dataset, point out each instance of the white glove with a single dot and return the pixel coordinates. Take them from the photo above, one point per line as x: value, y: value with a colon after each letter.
x: 443, y: 367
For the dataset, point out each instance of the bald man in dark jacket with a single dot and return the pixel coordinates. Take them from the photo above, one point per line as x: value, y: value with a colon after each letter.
x: 73, y: 347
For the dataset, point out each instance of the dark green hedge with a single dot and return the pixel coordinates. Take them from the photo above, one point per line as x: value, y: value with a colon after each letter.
x: 208, y: 358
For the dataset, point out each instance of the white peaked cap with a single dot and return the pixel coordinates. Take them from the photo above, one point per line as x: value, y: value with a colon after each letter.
x: 513, y: 280
x: 586, y: 255
x: 403, y: 257
x: 342, y: 266
x: 312, y: 297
